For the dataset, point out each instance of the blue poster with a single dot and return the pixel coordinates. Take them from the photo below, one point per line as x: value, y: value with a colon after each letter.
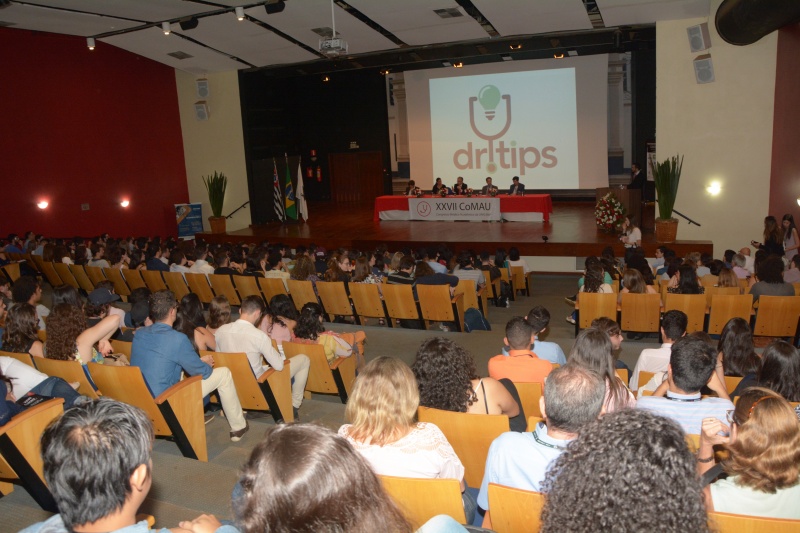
x: 190, y: 220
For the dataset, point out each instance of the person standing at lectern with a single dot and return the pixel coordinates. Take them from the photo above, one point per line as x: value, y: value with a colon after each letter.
x: 460, y: 187
x: 517, y: 188
x: 486, y: 188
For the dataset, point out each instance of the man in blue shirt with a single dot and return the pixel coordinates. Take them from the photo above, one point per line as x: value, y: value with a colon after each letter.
x: 162, y: 353
x: 539, y: 319
x: 573, y: 397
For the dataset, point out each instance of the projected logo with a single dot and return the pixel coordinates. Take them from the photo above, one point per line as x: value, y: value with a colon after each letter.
x: 519, y: 158
x: 521, y: 123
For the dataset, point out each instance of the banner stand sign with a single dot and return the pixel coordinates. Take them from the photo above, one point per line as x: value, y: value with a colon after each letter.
x: 450, y: 208
x: 189, y: 218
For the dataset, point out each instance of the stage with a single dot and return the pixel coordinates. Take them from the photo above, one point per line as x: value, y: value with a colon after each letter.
x: 571, y: 232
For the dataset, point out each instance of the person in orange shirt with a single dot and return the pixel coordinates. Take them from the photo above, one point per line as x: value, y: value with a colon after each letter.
x: 521, y: 364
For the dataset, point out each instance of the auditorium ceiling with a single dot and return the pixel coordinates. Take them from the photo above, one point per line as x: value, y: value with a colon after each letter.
x: 283, y: 38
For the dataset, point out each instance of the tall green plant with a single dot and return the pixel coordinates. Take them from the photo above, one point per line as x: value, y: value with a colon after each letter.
x: 216, y: 185
x: 667, y: 175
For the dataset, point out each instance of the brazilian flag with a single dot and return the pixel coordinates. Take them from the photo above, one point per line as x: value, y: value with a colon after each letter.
x: 291, y: 207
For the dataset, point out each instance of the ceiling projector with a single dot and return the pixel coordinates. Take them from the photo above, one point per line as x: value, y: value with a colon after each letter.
x: 333, y: 47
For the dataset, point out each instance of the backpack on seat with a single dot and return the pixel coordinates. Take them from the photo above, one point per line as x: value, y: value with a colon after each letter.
x: 474, y: 320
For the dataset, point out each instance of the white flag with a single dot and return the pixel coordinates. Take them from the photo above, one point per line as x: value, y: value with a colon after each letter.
x: 302, y: 207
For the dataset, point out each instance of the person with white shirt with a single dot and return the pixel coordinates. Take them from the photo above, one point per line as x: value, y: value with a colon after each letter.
x: 673, y: 327
x: 201, y: 265
x: 244, y: 336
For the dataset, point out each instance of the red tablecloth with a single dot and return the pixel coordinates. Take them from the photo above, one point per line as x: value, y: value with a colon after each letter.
x: 536, y: 203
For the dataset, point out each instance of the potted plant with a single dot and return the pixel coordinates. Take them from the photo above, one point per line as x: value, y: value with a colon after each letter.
x: 215, y: 186
x: 667, y: 175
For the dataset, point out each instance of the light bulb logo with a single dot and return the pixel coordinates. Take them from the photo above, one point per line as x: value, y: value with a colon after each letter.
x: 489, y: 97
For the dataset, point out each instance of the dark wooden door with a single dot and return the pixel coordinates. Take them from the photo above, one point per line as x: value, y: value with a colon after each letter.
x: 356, y: 177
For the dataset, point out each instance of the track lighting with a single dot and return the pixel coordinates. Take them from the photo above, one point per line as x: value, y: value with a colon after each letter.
x: 166, y: 27
x: 90, y: 43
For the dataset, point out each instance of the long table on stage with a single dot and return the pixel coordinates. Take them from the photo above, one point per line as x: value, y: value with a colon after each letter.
x: 527, y: 208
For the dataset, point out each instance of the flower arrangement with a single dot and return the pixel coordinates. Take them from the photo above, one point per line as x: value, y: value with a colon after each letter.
x: 418, y: 192
x: 493, y: 192
x: 609, y: 213
x: 443, y: 192
x: 469, y: 192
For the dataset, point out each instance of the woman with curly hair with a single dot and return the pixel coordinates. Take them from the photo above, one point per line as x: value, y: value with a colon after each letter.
x: 219, y: 313
x: 448, y: 380
x: 736, y: 350
x: 382, y: 410
x: 310, y: 330
x: 304, y: 270
x: 191, y: 321
x: 592, y: 350
x: 635, y: 473
x: 279, y: 319
x: 68, y: 339
x: 21, y: 334
x: 764, y: 464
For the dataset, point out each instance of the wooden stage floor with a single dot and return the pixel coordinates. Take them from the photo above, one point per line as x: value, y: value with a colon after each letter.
x: 571, y: 232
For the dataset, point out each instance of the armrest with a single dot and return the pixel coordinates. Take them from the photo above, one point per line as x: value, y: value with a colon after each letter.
x: 338, y: 361
x: 180, y: 388
x: 32, y: 412
x: 456, y: 297
x: 266, y: 375
x: 481, y: 291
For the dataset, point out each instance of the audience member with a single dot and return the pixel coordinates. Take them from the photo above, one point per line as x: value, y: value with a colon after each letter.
x: 69, y: 339
x: 573, y: 398
x: 792, y: 272
x: 244, y: 336
x: 673, y: 327
x: 612, y: 329
x: 521, y: 363
x: 201, y: 264
x: 539, y: 318
x: 779, y: 371
x: 279, y: 320
x: 592, y: 350
x: 736, y: 351
x: 191, y: 321
x: 691, y: 366
x: 219, y: 313
x: 466, y: 270
x: 23, y: 379
x: 627, y: 471
x: 685, y: 281
x: 163, y: 354
x: 310, y: 329
x: 773, y: 237
x: 770, y: 279
x: 764, y: 445
x: 28, y: 290
x: 21, y: 334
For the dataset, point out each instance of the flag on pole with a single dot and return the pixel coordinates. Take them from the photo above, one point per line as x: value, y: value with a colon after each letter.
x: 291, y: 208
x: 277, y: 197
x: 301, y: 193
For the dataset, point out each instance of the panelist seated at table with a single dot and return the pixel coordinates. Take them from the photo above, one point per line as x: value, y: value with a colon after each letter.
x: 486, y: 188
x: 439, y: 186
x: 460, y: 187
x: 517, y: 188
x: 411, y: 188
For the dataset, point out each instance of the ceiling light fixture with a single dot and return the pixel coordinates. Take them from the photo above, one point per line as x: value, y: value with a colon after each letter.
x: 166, y: 27
x: 458, y: 65
x: 42, y: 204
x: 326, y: 79
x: 125, y: 203
x: 239, y: 13
x: 515, y: 46
x: 559, y: 56
x: 385, y: 71
x: 90, y: 43
x: 714, y: 188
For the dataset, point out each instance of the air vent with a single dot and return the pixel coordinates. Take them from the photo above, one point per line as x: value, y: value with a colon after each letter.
x: 4, y: 24
x: 180, y: 55
x: 324, y: 32
x: 449, y: 13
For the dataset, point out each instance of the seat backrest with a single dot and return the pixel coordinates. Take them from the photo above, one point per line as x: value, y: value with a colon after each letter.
x: 246, y: 286
x: 514, y: 510
x: 114, y: 275
x: 80, y: 276
x: 222, y: 284
x: 334, y: 298
x: 126, y: 384
x: 21, y: 357
x: 640, y: 312
x: 622, y: 373
x: 709, y: 280
x: 533, y: 421
x: 367, y: 300
x: 727, y: 306
x: 302, y: 292
x: 400, y: 301
x: 49, y: 271
x: 422, y: 499
x: 693, y: 442
x: 122, y: 347
x: 529, y: 395
x: 467, y: 287
x: 12, y: 271
x: 271, y: 287
x: 198, y: 283
x: 134, y: 279
x: 176, y: 283
x: 69, y: 371
x: 711, y: 291
x: 734, y: 523
x: 470, y: 435
x: 518, y: 275
x: 693, y: 305
x: 250, y: 395
x: 777, y: 316
x: 95, y: 274
x: 593, y: 305
x: 62, y: 269
x: 644, y: 377
x: 154, y: 280
x: 435, y: 303
x: 320, y: 377
x: 731, y: 382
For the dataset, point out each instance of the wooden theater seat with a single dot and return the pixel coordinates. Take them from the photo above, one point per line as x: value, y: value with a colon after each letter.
x: 324, y: 378
x: 400, y: 303
x: 334, y: 299
x: 198, y: 283
x: 69, y: 371
x: 21, y: 357
x: 422, y: 499
x: 436, y: 305
x: 513, y: 510
x: 302, y: 292
x: 368, y: 303
x: 735, y: 523
x: 594, y: 305
x: 529, y: 395
x: 222, y: 284
x: 177, y: 284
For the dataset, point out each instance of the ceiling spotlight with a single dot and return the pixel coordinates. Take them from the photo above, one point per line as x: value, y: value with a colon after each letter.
x: 42, y: 204
x: 90, y: 43
x: 326, y: 78
x: 714, y: 188
x: 458, y: 65
x: 559, y: 55
x: 385, y: 71
x: 125, y: 203
x: 239, y: 13
x: 515, y: 46
x: 166, y: 27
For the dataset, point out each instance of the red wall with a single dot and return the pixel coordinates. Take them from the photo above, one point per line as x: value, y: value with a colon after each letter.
x: 785, y: 176
x: 92, y: 127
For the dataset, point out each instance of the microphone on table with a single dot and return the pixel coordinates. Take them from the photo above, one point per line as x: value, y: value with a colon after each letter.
x: 545, y: 238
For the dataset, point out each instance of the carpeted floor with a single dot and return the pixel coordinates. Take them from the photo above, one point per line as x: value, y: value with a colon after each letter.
x: 184, y: 488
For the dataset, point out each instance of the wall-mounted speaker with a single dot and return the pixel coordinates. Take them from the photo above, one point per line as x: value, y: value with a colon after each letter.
x: 699, y: 39
x: 703, y: 69
x: 201, y: 110
x: 202, y: 88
